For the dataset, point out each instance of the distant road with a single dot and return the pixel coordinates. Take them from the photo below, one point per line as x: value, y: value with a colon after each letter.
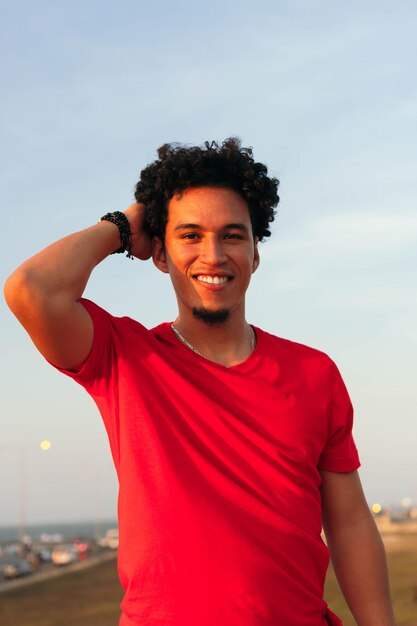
x: 392, y: 541
x: 52, y: 571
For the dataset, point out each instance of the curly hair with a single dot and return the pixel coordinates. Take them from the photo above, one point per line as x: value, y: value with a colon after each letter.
x: 227, y: 165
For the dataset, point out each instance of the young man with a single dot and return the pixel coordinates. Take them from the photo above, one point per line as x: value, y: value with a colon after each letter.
x: 232, y: 446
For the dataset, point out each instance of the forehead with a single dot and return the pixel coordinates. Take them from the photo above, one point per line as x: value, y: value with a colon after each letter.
x: 210, y: 207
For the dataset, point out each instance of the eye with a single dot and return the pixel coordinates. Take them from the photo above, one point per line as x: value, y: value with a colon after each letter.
x: 233, y: 236
x: 190, y: 236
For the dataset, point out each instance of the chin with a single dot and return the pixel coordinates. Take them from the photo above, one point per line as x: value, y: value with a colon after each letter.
x: 210, y: 316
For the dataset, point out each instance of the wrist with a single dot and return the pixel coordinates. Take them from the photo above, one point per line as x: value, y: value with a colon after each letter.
x: 121, y: 222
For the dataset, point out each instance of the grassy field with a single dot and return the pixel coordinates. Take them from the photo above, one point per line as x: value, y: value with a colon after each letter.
x: 92, y: 597
x: 402, y: 565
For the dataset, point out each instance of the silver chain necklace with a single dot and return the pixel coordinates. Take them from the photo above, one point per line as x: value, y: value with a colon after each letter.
x: 188, y: 344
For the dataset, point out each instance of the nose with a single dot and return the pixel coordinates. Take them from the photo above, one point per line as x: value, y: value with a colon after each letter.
x: 212, y: 251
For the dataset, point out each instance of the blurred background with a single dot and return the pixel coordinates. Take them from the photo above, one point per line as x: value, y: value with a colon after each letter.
x: 325, y: 93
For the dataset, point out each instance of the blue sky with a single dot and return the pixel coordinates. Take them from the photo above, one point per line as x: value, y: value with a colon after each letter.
x: 324, y: 92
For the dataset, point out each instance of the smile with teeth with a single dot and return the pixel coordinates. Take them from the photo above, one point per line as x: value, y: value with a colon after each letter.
x: 215, y: 280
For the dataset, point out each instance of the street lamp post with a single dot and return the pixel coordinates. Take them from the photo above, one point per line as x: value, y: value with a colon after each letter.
x: 22, y: 493
x: 97, y: 484
x: 22, y: 451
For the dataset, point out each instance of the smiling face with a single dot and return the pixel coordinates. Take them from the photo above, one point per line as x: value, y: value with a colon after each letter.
x: 209, y: 252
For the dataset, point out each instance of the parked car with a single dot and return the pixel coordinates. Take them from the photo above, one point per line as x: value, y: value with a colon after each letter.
x: 111, y: 539
x: 64, y: 554
x: 15, y: 568
x: 83, y: 546
x: 44, y: 555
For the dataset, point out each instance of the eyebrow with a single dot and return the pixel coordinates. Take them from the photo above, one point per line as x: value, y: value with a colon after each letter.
x: 233, y: 226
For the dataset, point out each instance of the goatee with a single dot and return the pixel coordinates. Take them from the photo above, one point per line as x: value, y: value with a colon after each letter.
x: 211, y: 317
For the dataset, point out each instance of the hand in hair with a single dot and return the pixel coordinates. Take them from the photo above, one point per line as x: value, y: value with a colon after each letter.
x: 141, y: 241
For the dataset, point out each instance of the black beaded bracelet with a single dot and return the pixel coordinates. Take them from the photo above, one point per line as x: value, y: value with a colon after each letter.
x: 120, y: 220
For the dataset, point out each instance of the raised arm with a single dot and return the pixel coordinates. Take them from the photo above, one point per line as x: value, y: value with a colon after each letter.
x: 356, y: 549
x: 44, y: 291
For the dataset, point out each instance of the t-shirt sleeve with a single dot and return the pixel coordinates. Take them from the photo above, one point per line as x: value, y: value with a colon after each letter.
x: 340, y: 453
x: 96, y: 371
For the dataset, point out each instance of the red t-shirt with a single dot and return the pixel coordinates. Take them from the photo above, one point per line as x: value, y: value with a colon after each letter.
x: 219, y: 501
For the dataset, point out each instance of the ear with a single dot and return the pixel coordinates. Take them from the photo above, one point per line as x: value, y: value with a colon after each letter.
x: 159, y: 255
x: 256, y: 259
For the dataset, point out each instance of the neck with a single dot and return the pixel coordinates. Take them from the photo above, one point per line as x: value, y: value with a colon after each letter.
x: 227, y: 343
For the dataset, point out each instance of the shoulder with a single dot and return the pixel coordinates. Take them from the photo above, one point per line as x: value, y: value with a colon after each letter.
x: 289, y: 348
x: 124, y: 327
x: 309, y: 365
x: 98, y: 314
